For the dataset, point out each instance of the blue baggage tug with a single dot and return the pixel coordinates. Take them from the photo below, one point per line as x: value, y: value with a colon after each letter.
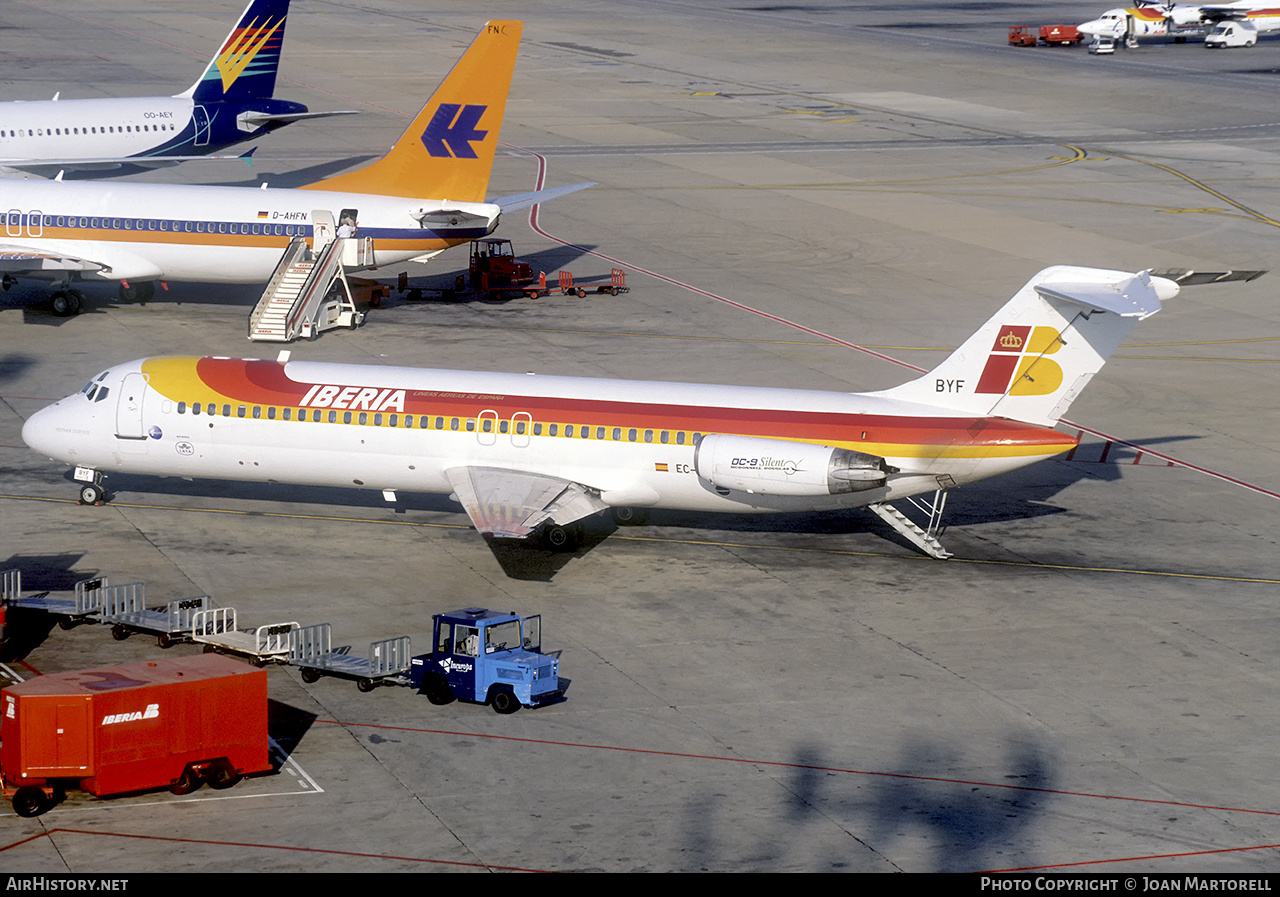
x: 488, y: 657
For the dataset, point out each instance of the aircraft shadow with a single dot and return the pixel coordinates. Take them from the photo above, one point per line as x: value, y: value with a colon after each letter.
x: 301, y: 177
x: 13, y: 366
x: 1020, y: 495
x: 24, y: 629
x: 969, y: 828
x: 917, y: 815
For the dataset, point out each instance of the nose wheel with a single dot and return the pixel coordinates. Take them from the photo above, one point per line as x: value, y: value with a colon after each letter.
x: 94, y: 491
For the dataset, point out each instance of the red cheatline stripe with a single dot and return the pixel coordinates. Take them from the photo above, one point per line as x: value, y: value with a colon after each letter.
x: 786, y: 765
x: 249, y: 844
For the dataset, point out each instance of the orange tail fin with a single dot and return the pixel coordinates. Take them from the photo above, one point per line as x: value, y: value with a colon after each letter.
x: 447, y: 152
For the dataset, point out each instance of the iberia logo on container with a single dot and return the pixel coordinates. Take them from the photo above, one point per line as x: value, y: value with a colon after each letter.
x: 152, y: 712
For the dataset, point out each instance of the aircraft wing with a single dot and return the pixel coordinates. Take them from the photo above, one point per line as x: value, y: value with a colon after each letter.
x: 111, y: 263
x: 16, y: 259
x: 250, y: 120
x: 1219, y: 13
x: 513, y: 503
x: 49, y: 168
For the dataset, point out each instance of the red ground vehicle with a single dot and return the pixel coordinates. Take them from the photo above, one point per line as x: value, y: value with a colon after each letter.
x: 168, y: 723
x: 494, y: 267
x: 1050, y: 35
x: 1022, y: 36
x: 1060, y: 35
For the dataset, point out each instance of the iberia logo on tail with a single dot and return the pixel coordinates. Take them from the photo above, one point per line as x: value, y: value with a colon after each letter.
x: 1019, y: 358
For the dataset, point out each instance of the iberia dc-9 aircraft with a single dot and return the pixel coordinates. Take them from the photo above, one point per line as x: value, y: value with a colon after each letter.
x: 425, y: 195
x: 531, y: 455
x: 1179, y: 20
x: 231, y: 102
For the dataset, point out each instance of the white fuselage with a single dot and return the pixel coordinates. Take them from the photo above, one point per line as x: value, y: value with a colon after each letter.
x: 632, y: 443
x: 202, y: 233
x: 1177, y: 20
x: 94, y: 128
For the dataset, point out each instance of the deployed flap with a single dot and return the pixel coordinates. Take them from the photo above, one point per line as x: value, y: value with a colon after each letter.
x: 112, y: 263
x: 513, y: 503
x: 21, y: 260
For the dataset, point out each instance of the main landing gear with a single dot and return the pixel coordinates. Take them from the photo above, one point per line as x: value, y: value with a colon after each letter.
x: 138, y: 291
x: 66, y: 302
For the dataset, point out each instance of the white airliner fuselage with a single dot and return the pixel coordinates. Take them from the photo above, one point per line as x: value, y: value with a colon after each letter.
x: 232, y: 102
x: 214, y: 234
x: 533, y: 453
x: 1178, y: 20
x: 428, y: 192
x: 117, y: 127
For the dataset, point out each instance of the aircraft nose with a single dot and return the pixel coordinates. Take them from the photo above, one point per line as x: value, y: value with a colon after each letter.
x: 40, y: 431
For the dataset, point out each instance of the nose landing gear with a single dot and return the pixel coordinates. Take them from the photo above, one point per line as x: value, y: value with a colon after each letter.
x: 93, y: 489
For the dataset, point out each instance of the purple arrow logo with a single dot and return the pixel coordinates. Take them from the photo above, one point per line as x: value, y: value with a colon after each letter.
x: 452, y: 129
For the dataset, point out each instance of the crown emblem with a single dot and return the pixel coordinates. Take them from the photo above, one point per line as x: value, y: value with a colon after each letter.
x: 1011, y: 341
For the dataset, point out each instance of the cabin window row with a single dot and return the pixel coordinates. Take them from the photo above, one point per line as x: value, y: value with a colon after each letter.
x: 75, y: 132
x: 16, y: 220
x: 516, y: 426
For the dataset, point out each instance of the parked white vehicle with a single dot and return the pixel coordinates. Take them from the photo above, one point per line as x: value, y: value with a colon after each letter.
x: 1232, y: 33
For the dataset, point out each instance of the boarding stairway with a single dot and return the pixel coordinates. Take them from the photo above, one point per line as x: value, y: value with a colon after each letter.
x: 924, y: 538
x: 308, y: 292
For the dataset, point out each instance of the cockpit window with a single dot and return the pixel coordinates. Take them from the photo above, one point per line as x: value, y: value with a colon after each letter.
x: 88, y: 390
x: 102, y: 393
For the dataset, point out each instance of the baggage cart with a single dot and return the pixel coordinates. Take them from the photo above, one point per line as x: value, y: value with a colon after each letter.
x: 125, y: 608
x: 311, y: 650
x: 215, y: 628
x: 80, y: 608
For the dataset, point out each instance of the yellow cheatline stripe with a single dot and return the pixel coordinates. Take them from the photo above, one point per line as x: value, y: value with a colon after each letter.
x: 708, y: 543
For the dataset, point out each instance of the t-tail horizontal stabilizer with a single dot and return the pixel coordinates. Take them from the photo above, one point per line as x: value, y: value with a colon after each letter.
x: 1035, y: 355
x: 523, y: 200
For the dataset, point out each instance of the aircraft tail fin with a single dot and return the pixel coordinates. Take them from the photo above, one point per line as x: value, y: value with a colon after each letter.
x: 245, y: 65
x: 1031, y: 360
x: 447, y: 151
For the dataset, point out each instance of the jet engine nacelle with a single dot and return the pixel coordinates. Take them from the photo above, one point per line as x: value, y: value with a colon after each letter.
x: 780, y: 467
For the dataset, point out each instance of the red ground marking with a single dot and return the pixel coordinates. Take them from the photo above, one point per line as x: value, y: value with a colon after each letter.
x: 248, y: 844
